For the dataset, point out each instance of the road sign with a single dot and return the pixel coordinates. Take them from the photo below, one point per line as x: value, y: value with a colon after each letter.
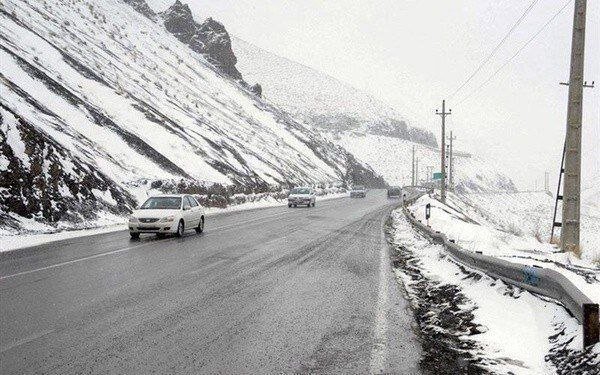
x: 437, y: 175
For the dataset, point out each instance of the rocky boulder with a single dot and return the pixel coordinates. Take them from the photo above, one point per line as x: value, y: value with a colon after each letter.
x: 209, y: 38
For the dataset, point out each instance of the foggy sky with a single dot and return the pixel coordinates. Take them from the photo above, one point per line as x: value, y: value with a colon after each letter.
x: 413, y: 54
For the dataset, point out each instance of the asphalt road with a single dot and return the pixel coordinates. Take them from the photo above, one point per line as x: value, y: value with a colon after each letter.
x: 272, y: 290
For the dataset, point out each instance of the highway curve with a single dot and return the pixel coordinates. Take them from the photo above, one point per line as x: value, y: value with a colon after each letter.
x: 272, y: 290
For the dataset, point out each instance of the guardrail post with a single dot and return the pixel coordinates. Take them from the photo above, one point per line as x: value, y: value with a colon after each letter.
x: 591, y: 324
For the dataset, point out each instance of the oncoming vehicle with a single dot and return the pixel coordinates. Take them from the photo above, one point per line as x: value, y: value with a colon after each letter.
x: 167, y: 214
x: 394, y: 192
x: 358, y: 191
x: 302, y: 196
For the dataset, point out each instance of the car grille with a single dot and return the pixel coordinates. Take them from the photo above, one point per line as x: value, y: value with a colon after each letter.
x: 148, y: 220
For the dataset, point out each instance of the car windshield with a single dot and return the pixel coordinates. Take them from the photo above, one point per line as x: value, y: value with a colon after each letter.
x: 162, y: 203
x: 359, y: 187
x: 300, y: 191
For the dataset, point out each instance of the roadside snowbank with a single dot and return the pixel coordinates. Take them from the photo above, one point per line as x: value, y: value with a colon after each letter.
x: 505, y: 231
x: 470, y: 321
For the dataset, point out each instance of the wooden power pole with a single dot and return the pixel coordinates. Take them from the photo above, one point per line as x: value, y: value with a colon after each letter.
x: 569, y: 239
x: 443, y: 114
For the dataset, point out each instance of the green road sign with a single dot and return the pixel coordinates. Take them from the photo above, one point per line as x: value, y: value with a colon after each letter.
x: 437, y: 175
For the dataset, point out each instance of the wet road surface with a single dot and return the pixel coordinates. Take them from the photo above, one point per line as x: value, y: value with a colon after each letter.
x: 273, y: 290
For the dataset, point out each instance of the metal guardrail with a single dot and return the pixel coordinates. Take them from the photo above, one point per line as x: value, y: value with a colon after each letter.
x: 539, y: 280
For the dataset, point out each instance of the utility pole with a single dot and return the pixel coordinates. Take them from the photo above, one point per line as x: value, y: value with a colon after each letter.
x: 547, y: 182
x: 412, y: 179
x: 417, y: 172
x: 451, y: 169
x: 443, y: 114
x: 569, y: 239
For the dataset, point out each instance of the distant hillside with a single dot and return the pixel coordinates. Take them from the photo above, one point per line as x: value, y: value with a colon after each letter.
x: 101, y: 99
x: 392, y: 158
x: 320, y: 99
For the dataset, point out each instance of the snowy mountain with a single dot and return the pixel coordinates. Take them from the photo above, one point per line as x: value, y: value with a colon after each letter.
x: 100, y: 99
x: 392, y: 158
x: 321, y: 100
x: 369, y: 129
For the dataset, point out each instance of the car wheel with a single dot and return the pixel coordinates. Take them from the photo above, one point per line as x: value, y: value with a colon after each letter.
x: 289, y: 205
x: 180, y: 228
x: 313, y: 204
x: 135, y: 236
x: 295, y: 205
x: 200, y: 227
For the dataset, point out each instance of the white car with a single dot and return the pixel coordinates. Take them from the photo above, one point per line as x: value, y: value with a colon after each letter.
x: 302, y: 196
x: 167, y: 214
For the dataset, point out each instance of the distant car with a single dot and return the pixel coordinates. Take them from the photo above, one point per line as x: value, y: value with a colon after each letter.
x: 358, y: 191
x: 302, y: 196
x: 394, y: 192
x: 167, y: 214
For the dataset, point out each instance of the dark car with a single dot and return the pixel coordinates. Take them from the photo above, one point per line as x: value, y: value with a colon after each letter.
x: 394, y: 192
x: 358, y: 192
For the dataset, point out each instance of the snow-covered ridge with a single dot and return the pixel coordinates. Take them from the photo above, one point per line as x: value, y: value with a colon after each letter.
x: 112, y: 92
x: 321, y: 100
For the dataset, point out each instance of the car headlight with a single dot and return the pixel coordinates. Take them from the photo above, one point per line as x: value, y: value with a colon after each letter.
x: 167, y: 218
x: 133, y: 219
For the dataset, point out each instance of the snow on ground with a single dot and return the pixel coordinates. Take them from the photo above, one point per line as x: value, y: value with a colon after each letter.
x: 125, y: 98
x: 510, y: 330
x: 11, y: 240
x: 532, y: 213
x: 303, y: 90
x: 392, y: 158
x: 506, y: 226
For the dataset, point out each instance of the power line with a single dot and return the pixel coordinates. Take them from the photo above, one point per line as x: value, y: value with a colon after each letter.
x: 518, y: 52
x: 489, y: 57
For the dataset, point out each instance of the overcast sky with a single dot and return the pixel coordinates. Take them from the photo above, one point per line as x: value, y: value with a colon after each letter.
x: 412, y: 54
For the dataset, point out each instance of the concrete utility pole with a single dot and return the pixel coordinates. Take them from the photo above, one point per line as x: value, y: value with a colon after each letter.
x: 412, y: 180
x: 417, y: 172
x: 547, y: 181
x: 569, y: 239
x: 451, y: 169
x: 443, y: 114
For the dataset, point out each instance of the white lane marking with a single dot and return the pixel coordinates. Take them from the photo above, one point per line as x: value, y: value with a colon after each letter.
x: 230, y: 226
x: 25, y: 340
x: 74, y: 261
x: 379, y: 351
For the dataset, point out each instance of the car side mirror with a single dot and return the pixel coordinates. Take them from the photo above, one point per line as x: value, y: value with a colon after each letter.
x: 186, y: 208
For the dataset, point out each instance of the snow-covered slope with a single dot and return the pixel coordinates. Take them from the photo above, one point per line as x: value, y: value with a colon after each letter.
x: 529, y: 215
x: 392, y: 158
x: 369, y: 129
x: 98, y: 99
x: 320, y: 99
